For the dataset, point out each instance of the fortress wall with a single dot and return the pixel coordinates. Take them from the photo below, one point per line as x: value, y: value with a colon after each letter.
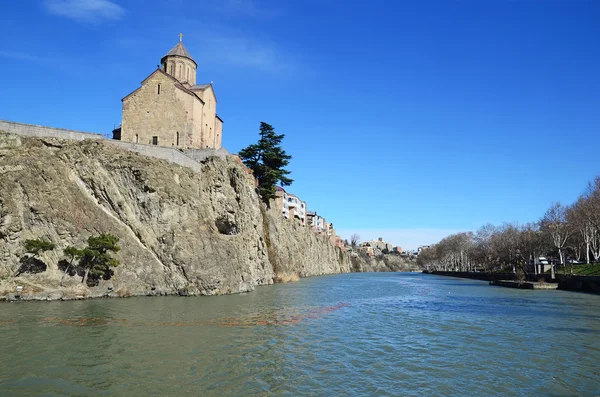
x: 190, y: 159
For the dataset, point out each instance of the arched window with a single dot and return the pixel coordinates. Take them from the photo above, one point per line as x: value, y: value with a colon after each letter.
x: 177, y: 144
x: 172, y: 69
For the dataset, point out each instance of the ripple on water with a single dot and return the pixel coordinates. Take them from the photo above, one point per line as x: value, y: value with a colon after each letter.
x: 358, y: 334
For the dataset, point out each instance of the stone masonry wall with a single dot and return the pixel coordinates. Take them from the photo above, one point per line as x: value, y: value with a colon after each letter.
x: 169, y: 154
x: 39, y: 131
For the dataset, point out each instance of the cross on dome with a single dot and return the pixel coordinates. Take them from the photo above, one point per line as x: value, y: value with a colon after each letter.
x: 180, y: 37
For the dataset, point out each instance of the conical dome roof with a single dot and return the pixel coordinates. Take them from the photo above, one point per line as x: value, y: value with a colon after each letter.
x: 180, y: 51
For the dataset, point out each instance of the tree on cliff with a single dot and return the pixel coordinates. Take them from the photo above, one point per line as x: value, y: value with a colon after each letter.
x: 32, y: 264
x: 96, y: 258
x: 72, y: 253
x: 354, y: 239
x: 267, y: 160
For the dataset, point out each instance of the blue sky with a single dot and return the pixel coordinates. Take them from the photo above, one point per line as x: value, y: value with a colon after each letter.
x: 407, y: 120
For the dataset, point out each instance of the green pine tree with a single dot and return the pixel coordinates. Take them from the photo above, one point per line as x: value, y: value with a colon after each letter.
x: 267, y: 160
x: 96, y: 258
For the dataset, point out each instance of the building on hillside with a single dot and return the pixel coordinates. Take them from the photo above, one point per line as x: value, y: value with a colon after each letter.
x: 281, y: 202
x: 171, y: 109
x: 398, y: 250
x: 329, y: 230
x: 291, y: 206
x: 379, y: 244
x: 317, y: 222
x: 368, y: 250
x: 297, y: 208
x: 421, y: 248
x: 339, y: 242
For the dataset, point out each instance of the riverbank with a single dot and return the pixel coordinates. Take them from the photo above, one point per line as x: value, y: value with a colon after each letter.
x: 589, y: 284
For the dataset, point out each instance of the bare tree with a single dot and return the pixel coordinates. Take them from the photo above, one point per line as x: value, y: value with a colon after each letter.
x: 354, y: 239
x: 580, y: 218
x: 554, y: 222
x: 592, y: 198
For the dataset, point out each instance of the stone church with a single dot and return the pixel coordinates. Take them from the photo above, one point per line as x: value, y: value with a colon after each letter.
x: 170, y: 109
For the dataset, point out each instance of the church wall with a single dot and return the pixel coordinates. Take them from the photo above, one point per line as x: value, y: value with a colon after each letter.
x: 147, y: 113
x: 210, y: 127
x: 187, y: 130
x: 219, y: 133
x: 197, y: 112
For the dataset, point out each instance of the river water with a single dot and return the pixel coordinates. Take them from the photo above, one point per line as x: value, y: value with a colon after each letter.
x: 379, y: 334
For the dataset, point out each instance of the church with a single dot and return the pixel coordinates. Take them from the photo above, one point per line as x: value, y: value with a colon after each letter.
x: 170, y: 109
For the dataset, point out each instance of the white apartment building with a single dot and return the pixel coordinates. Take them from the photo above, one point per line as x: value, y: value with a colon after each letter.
x: 316, y: 222
x: 297, y: 208
x: 291, y: 206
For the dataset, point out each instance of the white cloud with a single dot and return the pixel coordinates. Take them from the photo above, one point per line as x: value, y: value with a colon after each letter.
x: 92, y: 11
x: 408, y: 239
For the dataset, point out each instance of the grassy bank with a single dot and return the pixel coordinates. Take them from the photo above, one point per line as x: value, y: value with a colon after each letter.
x: 593, y: 269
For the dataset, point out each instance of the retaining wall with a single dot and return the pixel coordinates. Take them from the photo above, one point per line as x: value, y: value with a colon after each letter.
x: 191, y: 158
x: 165, y: 153
x: 40, y: 131
x: 565, y: 282
x: 202, y: 154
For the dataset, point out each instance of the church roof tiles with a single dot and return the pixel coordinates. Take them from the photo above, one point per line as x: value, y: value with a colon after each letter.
x: 179, y: 50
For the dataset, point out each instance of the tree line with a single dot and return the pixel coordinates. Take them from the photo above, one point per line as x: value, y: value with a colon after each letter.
x: 564, y: 231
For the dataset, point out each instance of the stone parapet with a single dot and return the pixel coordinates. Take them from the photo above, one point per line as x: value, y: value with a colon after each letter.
x: 201, y: 155
x: 39, y: 131
x: 191, y: 158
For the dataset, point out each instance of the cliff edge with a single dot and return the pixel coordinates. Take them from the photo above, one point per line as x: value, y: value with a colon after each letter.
x: 180, y: 231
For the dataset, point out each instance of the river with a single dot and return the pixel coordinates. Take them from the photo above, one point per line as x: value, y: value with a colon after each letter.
x: 378, y: 334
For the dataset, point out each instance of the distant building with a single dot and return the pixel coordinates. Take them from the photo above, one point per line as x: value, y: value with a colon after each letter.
x: 367, y: 250
x: 315, y: 221
x: 297, y: 208
x: 398, y: 249
x: 421, y: 248
x: 379, y: 244
x: 290, y: 205
x: 281, y: 197
x: 329, y: 229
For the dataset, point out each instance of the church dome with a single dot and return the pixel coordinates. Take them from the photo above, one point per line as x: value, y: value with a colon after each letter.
x: 179, y: 63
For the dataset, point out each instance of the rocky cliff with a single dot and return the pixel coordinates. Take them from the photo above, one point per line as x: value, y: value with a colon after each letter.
x: 383, y: 263
x: 181, y: 231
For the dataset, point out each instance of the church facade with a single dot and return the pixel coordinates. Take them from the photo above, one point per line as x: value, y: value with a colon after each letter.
x: 171, y: 109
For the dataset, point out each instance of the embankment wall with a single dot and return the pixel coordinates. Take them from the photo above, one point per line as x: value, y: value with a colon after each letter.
x: 565, y: 282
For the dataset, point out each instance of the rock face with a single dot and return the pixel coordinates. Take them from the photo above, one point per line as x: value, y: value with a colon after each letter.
x: 180, y: 231
x: 384, y: 263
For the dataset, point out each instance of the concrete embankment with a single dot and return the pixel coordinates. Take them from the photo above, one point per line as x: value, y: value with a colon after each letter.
x: 524, y: 284
x: 590, y: 284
